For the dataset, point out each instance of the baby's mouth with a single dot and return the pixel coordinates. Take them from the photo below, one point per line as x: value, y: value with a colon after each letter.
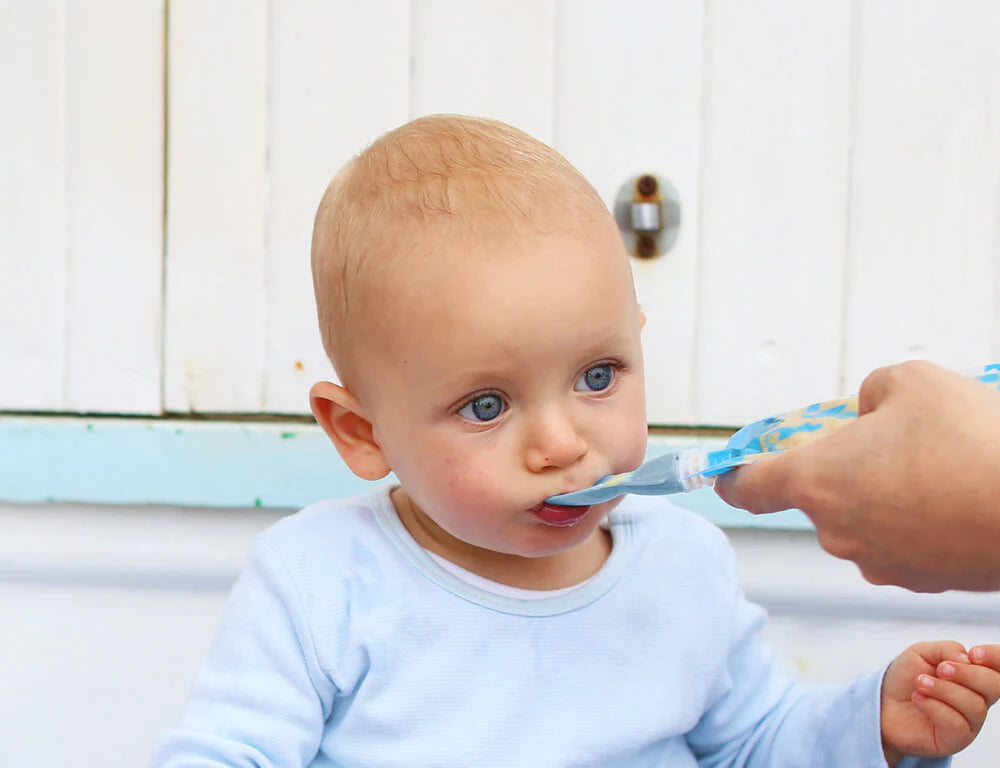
x: 558, y: 515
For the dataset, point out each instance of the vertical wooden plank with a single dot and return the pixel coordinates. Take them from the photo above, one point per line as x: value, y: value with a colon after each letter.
x: 774, y: 202
x: 32, y: 205
x: 492, y: 58
x: 628, y: 101
x: 114, y: 194
x: 81, y: 207
x: 216, y: 205
x: 993, y: 353
x: 339, y: 78
x: 925, y: 212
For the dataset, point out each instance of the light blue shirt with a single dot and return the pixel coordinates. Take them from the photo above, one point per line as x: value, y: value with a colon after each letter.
x: 345, y: 644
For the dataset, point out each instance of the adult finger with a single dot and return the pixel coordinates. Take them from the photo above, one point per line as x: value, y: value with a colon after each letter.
x: 761, y: 487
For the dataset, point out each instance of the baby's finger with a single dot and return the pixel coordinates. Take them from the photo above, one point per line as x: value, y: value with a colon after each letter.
x: 987, y: 655
x: 964, y: 704
x: 940, y: 650
x: 951, y: 731
x: 983, y: 680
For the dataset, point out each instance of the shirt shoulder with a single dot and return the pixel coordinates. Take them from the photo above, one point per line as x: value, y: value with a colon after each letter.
x: 674, y: 542
x: 657, y: 518
x: 328, y: 536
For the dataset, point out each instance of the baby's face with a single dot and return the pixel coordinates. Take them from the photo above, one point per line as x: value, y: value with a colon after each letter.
x: 505, y: 376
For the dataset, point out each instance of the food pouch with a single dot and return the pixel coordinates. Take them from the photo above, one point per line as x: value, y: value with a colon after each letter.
x: 776, y: 434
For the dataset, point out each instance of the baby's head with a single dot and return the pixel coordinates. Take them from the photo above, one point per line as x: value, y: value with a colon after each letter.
x: 476, y: 300
x: 434, y: 182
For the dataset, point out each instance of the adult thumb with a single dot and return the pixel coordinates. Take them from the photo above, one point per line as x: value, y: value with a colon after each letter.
x: 877, y: 386
x: 761, y: 487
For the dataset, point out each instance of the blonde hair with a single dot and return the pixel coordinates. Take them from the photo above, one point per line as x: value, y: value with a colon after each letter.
x: 436, y: 174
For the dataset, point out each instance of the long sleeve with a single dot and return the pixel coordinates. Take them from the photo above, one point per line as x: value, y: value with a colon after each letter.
x: 343, y: 643
x: 260, y: 698
x: 762, y: 720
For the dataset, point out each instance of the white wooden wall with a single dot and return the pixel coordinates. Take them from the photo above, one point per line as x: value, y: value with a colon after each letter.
x: 81, y: 205
x: 160, y: 161
x: 837, y: 164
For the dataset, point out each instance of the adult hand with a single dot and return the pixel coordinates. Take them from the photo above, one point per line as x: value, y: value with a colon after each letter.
x: 910, y: 491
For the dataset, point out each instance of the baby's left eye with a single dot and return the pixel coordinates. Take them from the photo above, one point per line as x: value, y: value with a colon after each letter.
x: 595, y: 379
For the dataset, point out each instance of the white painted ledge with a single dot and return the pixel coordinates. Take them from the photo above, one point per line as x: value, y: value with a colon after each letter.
x: 789, y: 573
x: 203, y: 550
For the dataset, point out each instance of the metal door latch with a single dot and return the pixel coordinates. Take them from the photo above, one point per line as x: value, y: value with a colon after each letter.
x: 648, y: 212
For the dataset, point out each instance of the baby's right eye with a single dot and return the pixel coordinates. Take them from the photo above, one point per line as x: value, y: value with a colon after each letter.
x: 483, y: 408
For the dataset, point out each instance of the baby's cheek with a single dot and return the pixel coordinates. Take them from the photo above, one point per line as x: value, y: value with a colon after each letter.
x: 631, y: 432
x: 631, y: 445
x: 472, y: 487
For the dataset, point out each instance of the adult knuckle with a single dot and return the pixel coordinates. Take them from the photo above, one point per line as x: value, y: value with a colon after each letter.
x: 878, y: 378
x: 881, y: 577
x: 837, y: 545
x: 804, y: 490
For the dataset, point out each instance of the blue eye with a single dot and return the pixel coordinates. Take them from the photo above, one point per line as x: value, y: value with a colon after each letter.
x: 595, y: 379
x: 483, y: 408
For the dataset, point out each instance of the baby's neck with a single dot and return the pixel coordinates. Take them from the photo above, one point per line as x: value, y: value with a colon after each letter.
x: 565, y: 569
x: 558, y: 571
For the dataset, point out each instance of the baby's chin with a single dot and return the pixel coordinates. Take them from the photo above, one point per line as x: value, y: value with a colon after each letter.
x: 550, y: 540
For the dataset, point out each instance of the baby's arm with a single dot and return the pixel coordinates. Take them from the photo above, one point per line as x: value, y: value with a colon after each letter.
x: 935, y: 698
x: 758, y: 718
x: 260, y: 697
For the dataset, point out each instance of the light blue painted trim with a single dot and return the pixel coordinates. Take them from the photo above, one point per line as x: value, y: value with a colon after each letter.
x: 210, y: 464
x: 226, y: 464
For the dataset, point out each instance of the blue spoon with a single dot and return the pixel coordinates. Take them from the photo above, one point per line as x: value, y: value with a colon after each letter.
x: 676, y: 472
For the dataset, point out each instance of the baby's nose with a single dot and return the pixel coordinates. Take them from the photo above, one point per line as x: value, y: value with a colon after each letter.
x: 554, y: 442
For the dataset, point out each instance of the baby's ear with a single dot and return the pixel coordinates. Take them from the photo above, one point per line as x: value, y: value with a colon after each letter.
x: 343, y: 419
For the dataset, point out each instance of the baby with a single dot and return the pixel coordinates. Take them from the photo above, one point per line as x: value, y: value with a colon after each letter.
x: 477, y: 303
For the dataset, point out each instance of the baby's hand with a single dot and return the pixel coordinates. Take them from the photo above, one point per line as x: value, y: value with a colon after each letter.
x: 935, y: 697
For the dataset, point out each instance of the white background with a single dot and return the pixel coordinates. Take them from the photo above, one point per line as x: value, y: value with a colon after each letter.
x: 838, y: 165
